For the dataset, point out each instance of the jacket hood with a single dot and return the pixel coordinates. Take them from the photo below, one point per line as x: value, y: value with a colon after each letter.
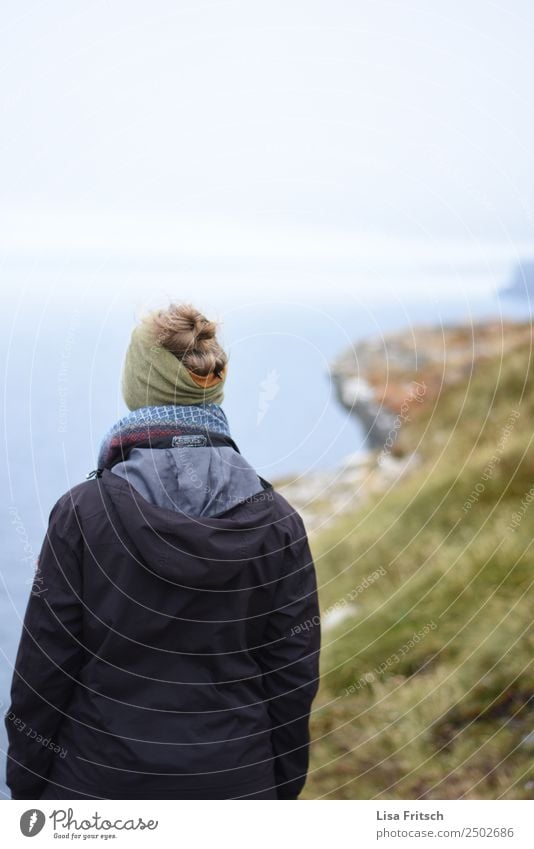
x: 197, y: 540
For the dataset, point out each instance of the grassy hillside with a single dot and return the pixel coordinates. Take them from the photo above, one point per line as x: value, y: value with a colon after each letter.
x: 428, y: 687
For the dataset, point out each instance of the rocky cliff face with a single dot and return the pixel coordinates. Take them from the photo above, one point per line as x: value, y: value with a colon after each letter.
x: 384, y: 380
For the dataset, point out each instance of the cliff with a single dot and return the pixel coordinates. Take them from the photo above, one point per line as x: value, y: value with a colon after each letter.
x: 389, y: 383
x: 384, y: 381
x: 425, y: 581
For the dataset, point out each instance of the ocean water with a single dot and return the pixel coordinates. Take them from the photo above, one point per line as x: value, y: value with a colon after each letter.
x: 61, y: 393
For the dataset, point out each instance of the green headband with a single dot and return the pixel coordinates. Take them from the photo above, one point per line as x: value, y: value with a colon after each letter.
x: 152, y: 376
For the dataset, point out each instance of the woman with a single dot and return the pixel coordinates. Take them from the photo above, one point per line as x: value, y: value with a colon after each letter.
x: 170, y: 644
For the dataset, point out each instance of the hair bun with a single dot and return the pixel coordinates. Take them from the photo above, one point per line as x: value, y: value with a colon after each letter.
x: 191, y: 337
x: 203, y: 328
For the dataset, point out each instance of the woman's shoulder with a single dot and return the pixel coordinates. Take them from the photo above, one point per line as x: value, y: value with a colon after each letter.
x: 287, y: 516
x: 81, y: 500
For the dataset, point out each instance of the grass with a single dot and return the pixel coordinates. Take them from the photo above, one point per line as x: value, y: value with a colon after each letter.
x: 428, y: 690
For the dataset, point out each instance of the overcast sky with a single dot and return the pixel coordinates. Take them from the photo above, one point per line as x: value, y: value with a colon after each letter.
x: 341, y: 135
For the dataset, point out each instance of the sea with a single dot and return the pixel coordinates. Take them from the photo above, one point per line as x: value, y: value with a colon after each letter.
x: 62, y: 362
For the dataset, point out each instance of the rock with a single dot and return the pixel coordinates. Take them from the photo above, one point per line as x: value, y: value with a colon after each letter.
x: 385, y: 381
x: 332, y: 618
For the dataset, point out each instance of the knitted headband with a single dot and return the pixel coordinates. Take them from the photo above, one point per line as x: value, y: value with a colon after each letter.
x: 152, y: 376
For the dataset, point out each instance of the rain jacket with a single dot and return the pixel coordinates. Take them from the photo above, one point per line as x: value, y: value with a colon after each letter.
x: 171, y: 640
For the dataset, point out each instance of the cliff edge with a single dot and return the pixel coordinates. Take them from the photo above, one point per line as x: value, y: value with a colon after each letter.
x: 384, y: 378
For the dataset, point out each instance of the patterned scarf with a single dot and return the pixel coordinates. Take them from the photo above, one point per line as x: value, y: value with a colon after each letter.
x: 150, y: 423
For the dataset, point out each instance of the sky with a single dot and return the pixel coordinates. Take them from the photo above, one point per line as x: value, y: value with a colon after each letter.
x: 292, y: 143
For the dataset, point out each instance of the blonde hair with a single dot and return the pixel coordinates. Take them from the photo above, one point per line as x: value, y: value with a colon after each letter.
x: 184, y: 331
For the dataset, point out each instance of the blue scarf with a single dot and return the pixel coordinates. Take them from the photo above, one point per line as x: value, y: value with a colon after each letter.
x: 148, y: 423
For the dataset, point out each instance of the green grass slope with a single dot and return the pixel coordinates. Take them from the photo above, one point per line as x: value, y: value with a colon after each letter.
x: 428, y: 686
